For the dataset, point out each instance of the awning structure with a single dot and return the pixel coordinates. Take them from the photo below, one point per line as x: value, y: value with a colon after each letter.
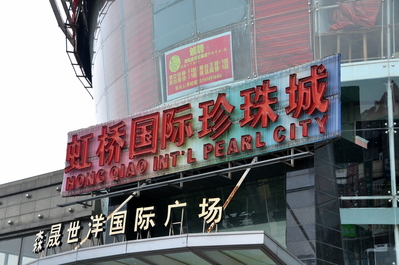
x: 233, y: 248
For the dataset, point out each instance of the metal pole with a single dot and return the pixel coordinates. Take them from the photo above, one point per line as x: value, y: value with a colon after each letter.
x: 226, y: 203
x: 391, y: 133
x: 109, y: 217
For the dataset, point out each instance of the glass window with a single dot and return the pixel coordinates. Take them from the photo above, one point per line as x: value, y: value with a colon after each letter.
x: 364, y: 107
x: 26, y: 251
x: 210, y: 12
x: 362, y: 156
x: 9, y: 251
x: 369, y: 244
x: 173, y: 22
x: 356, y: 29
x: 12, y: 252
x: 281, y: 35
x: 259, y: 204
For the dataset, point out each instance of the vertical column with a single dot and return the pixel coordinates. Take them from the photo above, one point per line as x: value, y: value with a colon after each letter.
x: 391, y: 138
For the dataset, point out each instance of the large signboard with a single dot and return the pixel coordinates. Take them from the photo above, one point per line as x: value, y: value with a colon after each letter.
x: 282, y: 110
x: 205, y: 63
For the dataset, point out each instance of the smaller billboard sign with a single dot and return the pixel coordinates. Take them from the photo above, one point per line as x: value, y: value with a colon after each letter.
x: 204, y: 63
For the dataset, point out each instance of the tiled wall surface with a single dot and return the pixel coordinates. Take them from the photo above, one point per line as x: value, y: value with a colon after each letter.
x: 32, y: 203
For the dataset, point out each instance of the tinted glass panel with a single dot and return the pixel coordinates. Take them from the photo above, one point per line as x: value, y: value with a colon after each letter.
x: 362, y: 154
x: 356, y: 29
x: 9, y: 251
x: 26, y: 251
x: 213, y: 15
x: 368, y: 244
x: 173, y: 23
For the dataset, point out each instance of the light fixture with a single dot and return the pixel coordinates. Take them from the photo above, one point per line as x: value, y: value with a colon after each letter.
x: 40, y: 216
x: 10, y: 222
x: 57, y: 188
x: 28, y: 196
x: 71, y: 210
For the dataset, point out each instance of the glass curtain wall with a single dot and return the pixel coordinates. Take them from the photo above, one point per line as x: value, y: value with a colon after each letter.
x: 131, y: 41
x: 360, y: 30
x: 17, y: 251
x: 267, y: 36
x: 366, y: 34
x: 363, y: 167
x: 259, y: 204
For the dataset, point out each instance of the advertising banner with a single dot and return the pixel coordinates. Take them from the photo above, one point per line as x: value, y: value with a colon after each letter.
x: 294, y: 107
x: 204, y: 63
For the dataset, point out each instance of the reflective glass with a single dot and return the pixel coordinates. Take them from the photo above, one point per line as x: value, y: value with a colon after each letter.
x: 119, y: 97
x: 144, y: 91
x: 368, y: 244
x: 113, y: 57
x: 362, y: 156
x: 210, y: 12
x: 173, y: 22
x: 356, y: 29
x: 281, y: 35
x: 26, y: 251
x: 259, y: 204
x: 228, y: 257
x: 132, y: 261
x: 9, y: 251
x: 99, y: 92
x: 109, y: 18
x: 188, y: 258
x: 12, y: 260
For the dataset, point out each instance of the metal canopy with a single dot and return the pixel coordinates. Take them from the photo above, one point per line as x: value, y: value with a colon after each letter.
x: 250, y: 247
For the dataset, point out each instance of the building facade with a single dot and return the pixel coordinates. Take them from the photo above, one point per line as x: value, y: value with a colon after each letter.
x: 211, y: 192
x: 29, y: 206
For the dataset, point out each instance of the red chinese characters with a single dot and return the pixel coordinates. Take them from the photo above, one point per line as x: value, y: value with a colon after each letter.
x: 111, y: 143
x: 144, y: 138
x: 215, y: 121
x: 308, y: 94
x: 175, y: 129
x: 258, y: 109
x: 169, y: 137
x: 77, y: 153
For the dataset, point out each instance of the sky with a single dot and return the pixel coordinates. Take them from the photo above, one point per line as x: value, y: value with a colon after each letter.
x: 41, y: 99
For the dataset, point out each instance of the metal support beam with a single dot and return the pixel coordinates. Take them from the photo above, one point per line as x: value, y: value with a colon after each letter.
x: 179, y: 180
x: 226, y: 203
x: 60, y: 21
